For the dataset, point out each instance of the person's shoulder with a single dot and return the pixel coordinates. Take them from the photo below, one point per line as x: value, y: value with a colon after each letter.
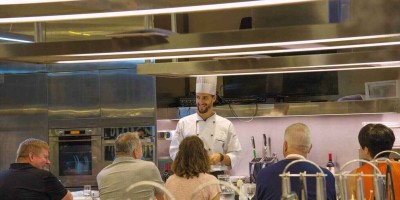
x: 396, y: 163
x: 147, y: 164
x: 220, y: 120
x: 366, y: 168
x: 189, y: 117
x: 41, y: 173
x: 274, y: 168
x: 208, y: 177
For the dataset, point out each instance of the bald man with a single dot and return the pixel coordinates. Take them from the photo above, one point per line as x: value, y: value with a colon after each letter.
x: 296, y: 145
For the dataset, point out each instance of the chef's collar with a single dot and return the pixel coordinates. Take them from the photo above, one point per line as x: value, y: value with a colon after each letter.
x: 212, y: 117
x: 295, y: 156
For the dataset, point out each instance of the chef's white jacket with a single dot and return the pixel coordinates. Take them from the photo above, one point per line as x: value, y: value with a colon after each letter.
x: 217, y: 133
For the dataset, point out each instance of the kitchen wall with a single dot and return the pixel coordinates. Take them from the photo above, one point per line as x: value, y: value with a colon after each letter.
x: 36, y: 98
x: 330, y: 134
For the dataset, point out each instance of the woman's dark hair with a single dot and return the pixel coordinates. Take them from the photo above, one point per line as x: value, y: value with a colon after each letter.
x: 191, y: 159
x: 377, y: 138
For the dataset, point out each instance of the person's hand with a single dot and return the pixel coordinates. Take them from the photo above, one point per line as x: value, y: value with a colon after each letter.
x: 214, y: 158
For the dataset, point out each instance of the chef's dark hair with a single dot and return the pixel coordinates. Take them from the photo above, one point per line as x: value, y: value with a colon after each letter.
x: 377, y: 138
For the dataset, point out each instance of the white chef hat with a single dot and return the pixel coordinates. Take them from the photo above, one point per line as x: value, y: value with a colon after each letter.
x: 206, y: 84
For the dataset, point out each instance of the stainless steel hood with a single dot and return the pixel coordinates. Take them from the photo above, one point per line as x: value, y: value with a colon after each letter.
x: 311, y: 37
x: 258, y: 65
x: 383, y: 28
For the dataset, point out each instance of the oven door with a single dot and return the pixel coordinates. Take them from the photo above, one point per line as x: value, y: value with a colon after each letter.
x: 76, y: 159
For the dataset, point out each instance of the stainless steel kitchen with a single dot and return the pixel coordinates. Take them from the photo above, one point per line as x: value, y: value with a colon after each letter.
x: 78, y: 74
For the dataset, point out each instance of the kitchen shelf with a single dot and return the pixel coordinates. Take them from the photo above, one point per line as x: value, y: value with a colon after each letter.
x: 291, y: 109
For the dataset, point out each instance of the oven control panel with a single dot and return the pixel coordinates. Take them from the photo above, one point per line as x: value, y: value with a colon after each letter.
x: 74, y: 132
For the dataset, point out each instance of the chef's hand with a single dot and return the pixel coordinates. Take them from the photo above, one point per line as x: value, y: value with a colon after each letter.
x: 214, y: 158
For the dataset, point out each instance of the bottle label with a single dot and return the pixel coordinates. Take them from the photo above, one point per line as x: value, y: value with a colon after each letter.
x: 331, y: 169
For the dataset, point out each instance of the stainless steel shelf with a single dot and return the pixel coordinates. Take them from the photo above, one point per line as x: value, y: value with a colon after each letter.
x: 291, y: 109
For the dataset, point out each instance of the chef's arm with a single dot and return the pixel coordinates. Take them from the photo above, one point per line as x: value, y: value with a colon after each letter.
x: 233, y: 158
x: 233, y: 148
x: 176, y: 140
x: 174, y: 148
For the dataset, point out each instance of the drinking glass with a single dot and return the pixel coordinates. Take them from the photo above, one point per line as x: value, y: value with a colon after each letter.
x: 227, y: 193
x: 86, y: 190
x: 250, y: 190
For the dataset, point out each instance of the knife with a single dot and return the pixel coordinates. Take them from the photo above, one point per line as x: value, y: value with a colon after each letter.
x: 254, y: 147
x: 265, y: 153
x: 269, y: 147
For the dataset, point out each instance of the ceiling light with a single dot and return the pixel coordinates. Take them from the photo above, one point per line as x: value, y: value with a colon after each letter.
x: 11, y: 2
x: 15, y: 37
x: 79, y: 33
x: 244, y: 53
x: 184, y: 9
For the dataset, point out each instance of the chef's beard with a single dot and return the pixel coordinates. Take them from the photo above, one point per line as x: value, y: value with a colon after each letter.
x: 204, y: 110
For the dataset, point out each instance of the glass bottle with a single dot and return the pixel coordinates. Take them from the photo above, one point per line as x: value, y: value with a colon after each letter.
x: 330, y: 165
x: 166, y: 173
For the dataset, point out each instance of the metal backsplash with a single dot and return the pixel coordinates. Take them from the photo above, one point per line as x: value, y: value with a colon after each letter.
x: 45, y: 97
x: 23, y: 112
x: 74, y: 95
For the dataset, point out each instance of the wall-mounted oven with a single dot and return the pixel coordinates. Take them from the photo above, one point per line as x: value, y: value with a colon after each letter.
x: 75, y: 155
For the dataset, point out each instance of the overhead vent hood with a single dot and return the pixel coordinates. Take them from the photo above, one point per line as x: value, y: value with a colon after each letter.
x: 363, y: 30
x: 288, y: 64
x: 229, y: 43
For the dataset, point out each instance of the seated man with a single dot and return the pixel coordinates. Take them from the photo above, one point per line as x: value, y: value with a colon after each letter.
x: 128, y: 169
x: 297, y: 144
x: 375, y: 138
x: 26, y: 179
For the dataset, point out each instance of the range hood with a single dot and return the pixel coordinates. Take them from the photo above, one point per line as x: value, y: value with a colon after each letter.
x: 363, y: 30
x: 227, y: 43
x: 376, y: 59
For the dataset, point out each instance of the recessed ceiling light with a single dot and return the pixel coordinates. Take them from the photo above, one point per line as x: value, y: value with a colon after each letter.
x: 183, y: 9
x: 11, y: 2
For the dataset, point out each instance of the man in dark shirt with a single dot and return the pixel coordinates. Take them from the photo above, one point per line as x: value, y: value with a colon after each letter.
x: 27, y: 179
x: 297, y: 144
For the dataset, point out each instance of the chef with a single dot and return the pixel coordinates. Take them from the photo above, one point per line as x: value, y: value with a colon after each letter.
x: 217, y: 133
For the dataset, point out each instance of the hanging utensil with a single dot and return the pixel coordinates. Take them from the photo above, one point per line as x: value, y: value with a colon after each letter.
x: 269, y: 147
x: 321, y: 186
x: 254, y: 147
x: 360, y: 187
x: 379, y: 186
x: 303, y: 186
x: 389, y: 181
x: 265, y: 152
x: 286, y: 187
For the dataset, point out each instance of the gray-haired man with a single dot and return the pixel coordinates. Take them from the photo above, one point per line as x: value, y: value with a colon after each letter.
x: 128, y: 169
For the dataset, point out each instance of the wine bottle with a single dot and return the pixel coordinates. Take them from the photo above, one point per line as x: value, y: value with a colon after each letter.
x: 330, y: 166
x: 166, y: 173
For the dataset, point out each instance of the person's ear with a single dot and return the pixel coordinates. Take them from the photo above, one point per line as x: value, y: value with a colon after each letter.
x: 366, y: 151
x: 214, y: 98
x: 30, y: 156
